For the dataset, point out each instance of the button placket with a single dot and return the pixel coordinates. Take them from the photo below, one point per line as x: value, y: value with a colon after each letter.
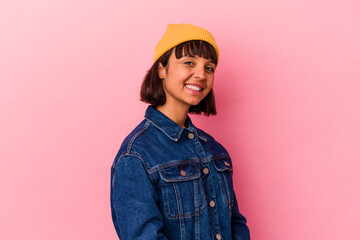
x: 212, y: 204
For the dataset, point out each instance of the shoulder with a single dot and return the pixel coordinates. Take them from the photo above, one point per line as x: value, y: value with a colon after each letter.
x: 127, y: 145
x: 126, y: 151
x: 143, y: 142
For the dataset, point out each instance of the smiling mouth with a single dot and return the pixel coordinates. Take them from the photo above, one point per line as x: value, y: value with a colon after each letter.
x: 195, y: 88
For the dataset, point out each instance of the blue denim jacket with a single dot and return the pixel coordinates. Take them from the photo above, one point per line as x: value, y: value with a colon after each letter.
x: 169, y: 182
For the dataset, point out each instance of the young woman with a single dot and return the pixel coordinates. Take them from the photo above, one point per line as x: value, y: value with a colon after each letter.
x: 171, y: 180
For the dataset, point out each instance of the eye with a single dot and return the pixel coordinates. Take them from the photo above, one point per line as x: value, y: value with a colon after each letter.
x: 211, y: 69
x: 188, y: 63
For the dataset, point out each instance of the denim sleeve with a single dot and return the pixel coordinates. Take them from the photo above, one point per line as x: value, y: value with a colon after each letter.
x: 134, y: 200
x: 239, y: 229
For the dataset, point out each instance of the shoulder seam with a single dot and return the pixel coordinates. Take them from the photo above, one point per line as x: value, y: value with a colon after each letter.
x: 128, y: 149
x: 138, y: 156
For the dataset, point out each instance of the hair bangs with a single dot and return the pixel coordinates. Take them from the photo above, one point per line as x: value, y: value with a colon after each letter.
x: 196, y: 48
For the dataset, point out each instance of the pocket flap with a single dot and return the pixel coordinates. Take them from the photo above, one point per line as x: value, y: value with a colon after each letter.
x: 222, y: 164
x: 182, y: 172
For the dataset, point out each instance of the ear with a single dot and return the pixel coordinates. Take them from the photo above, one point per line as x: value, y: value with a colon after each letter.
x: 161, y: 71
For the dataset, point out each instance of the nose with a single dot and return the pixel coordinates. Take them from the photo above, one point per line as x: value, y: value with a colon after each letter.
x: 200, y: 72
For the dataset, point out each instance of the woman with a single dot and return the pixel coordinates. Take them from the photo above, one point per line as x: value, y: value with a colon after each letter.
x: 171, y: 180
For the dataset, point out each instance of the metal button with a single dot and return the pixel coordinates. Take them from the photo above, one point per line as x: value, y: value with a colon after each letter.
x: 212, y: 204
x: 205, y: 171
x: 190, y: 135
x: 183, y: 173
x: 218, y: 237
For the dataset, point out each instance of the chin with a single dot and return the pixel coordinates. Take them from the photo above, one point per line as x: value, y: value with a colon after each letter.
x: 194, y: 103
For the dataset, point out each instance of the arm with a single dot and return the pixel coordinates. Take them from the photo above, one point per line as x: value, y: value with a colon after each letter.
x: 134, y: 199
x: 239, y: 229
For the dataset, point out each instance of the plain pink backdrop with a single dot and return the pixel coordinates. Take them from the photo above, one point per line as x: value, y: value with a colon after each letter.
x: 287, y: 90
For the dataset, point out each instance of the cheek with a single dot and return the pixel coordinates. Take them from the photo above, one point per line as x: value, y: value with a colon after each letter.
x: 210, y: 82
x: 166, y: 86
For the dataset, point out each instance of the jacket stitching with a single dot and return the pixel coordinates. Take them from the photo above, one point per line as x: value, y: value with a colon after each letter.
x: 134, y: 137
x: 133, y: 154
x: 164, y: 131
x: 196, y: 160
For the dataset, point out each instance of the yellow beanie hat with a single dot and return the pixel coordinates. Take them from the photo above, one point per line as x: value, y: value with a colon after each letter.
x: 179, y: 33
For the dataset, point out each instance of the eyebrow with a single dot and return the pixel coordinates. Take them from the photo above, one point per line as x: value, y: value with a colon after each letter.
x: 211, y: 60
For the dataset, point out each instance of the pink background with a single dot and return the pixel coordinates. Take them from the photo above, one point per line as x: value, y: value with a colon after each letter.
x: 287, y: 91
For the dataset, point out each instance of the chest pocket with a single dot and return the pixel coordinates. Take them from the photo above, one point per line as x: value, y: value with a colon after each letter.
x: 182, y: 191
x: 224, y: 171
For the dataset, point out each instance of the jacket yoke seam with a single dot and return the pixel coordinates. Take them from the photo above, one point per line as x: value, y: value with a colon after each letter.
x: 137, y: 155
x: 187, y: 161
x: 128, y: 149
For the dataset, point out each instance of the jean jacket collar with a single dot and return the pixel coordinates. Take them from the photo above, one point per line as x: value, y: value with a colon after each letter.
x: 169, y: 127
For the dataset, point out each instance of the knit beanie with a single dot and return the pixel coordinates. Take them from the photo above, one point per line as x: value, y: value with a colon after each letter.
x: 179, y: 33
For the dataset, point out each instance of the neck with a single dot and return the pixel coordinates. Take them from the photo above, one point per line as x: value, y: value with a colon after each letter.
x: 177, y: 114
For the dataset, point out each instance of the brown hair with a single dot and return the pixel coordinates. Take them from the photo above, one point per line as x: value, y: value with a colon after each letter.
x: 152, y: 91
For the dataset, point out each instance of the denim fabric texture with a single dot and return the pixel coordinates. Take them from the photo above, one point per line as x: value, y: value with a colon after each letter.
x: 169, y: 182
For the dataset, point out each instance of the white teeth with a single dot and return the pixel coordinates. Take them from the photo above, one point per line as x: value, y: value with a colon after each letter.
x: 193, y: 87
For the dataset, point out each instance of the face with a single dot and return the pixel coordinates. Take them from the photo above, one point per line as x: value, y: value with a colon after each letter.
x: 186, y: 81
